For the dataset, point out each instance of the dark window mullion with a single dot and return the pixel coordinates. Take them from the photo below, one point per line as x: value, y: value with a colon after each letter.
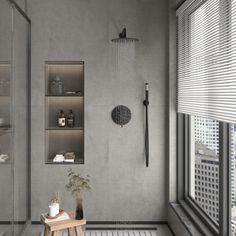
x: 187, y: 142
x: 224, y: 179
x: 230, y: 128
x: 180, y: 148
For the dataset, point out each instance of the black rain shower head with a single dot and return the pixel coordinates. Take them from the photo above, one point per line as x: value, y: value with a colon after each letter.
x: 123, y: 39
x: 122, y: 35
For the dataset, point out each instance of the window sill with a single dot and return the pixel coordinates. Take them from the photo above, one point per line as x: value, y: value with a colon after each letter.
x: 190, y: 220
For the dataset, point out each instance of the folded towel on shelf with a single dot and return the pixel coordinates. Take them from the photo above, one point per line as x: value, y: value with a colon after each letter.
x: 69, y: 155
x: 3, y: 157
x: 69, y: 160
x: 58, y: 158
x: 44, y: 218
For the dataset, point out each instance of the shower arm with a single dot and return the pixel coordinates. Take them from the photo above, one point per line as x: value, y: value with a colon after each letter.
x: 146, y: 103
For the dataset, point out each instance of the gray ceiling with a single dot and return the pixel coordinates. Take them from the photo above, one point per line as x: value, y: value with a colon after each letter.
x: 176, y: 3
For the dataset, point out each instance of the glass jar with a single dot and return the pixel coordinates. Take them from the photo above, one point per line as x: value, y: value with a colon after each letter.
x: 56, y: 86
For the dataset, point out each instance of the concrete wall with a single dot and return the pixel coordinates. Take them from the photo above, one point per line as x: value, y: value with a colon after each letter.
x: 123, y: 189
x: 22, y: 4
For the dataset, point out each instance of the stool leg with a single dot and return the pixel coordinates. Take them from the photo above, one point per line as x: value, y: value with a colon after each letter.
x: 55, y: 233
x: 46, y: 231
x: 78, y: 231
x: 71, y: 232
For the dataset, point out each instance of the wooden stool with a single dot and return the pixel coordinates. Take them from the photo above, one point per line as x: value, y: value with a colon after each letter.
x: 73, y: 226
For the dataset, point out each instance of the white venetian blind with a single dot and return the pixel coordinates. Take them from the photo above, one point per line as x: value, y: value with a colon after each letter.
x: 207, y: 59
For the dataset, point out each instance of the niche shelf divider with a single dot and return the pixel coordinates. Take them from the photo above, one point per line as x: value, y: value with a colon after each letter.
x: 61, y: 140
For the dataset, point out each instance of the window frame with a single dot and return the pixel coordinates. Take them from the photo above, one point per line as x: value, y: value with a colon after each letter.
x: 183, y: 155
x: 183, y: 172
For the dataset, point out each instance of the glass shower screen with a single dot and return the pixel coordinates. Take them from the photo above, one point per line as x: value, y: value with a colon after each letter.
x: 14, y: 119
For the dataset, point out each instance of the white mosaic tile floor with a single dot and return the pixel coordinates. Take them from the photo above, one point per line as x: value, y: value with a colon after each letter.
x: 161, y: 230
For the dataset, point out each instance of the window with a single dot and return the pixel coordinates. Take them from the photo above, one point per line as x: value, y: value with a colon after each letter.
x: 207, y: 111
x: 203, y: 152
x: 203, y: 194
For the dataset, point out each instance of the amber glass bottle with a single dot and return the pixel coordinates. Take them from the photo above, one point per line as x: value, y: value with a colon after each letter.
x: 71, y: 119
x: 61, y: 119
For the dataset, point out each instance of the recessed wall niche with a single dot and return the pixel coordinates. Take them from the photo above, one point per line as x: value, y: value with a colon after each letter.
x: 64, y: 91
x: 5, y: 111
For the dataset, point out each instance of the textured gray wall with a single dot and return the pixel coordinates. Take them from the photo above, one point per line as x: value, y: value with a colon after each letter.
x: 22, y: 4
x: 123, y: 189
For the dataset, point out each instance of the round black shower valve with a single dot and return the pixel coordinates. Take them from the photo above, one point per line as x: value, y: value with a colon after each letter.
x: 121, y: 115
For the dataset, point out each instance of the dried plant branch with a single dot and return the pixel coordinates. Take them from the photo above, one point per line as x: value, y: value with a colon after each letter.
x: 56, y: 198
x: 77, y: 184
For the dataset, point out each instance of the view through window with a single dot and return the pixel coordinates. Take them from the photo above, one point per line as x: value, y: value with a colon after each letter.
x: 204, y: 165
x: 233, y: 177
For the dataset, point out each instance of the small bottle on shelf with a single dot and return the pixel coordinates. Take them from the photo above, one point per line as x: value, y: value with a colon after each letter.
x: 71, y: 119
x: 61, y: 119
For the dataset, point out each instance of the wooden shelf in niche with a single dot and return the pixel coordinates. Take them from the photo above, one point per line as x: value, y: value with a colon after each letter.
x: 5, y: 129
x: 62, y: 140
x: 5, y: 163
x: 64, y: 95
x: 63, y: 129
x: 77, y: 161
